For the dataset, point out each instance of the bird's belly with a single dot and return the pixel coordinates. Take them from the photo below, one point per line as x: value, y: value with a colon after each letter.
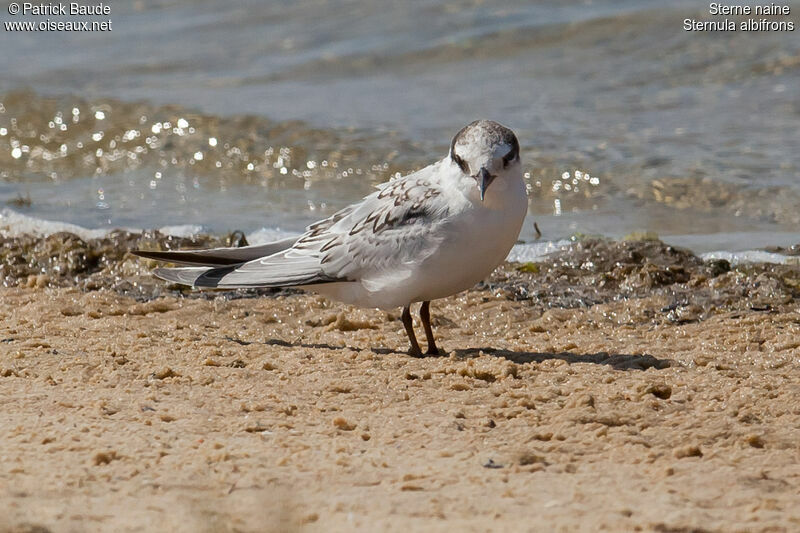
x: 456, y: 268
x: 462, y: 259
x: 466, y: 258
x: 458, y: 265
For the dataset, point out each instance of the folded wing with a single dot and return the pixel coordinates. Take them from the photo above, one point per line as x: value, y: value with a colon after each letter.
x: 384, y: 234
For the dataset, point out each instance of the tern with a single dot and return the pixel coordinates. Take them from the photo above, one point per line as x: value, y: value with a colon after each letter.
x: 424, y: 236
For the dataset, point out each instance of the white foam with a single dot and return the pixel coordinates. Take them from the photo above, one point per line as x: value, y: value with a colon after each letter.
x: 535, y: 251
x: 751, y: 256
x: 184, y: 230
x: 265, y: 235
x: 13, y: 224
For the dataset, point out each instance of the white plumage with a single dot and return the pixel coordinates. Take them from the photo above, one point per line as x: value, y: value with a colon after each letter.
x: 428, y: 235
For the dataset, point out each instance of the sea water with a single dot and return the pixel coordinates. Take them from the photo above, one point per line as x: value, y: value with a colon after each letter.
x: 267, y: 116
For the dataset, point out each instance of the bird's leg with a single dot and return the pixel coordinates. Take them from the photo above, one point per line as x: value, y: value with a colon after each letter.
x: 425, y: 316
x: 414, y: 351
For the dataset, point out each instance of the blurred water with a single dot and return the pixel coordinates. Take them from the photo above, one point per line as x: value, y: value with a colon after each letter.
x: 294, y: 109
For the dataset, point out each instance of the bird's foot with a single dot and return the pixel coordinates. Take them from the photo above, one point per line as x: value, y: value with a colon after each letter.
x: 415, y: 351
x: 433, y: 350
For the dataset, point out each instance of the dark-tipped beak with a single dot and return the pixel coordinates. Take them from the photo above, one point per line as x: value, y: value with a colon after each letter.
x: 484, y: 180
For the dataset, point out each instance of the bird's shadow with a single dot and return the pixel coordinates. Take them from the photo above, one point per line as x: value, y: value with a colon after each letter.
x: 615, y: 361
x: 314, y: 345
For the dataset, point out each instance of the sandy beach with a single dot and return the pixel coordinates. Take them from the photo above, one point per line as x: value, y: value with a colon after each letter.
x: 289, y: 412
x: 633, y: 365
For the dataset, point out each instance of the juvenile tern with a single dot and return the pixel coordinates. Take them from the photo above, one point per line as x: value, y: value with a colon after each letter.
x: 424, y: 236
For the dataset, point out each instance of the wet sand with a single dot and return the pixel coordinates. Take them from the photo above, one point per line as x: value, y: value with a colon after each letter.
x: 625, y: 404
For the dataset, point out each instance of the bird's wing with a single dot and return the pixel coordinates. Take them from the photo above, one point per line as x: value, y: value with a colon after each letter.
x: 385, y: 234
x: 218, y: 256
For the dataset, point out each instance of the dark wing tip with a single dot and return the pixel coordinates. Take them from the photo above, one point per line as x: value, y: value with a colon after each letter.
x: 148, y: 254
x: 183, y: 276
x: 191, y: 257
x: 194, y: 276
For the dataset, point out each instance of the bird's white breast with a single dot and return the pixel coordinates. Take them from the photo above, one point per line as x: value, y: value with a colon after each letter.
x: 464, y: 248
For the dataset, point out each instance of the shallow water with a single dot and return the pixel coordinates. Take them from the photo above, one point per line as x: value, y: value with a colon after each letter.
x: 255, y: 116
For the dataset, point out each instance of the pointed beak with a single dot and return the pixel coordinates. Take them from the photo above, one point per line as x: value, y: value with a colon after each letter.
x: 484, y: 180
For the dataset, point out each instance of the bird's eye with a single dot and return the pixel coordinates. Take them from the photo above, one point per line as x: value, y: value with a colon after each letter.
x: 460, y: 162
x: 508, y: 158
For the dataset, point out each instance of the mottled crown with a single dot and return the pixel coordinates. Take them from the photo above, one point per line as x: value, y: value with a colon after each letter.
x: 483, y: 136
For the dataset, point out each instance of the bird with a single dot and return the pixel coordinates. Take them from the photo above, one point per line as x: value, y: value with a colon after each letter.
x: 427, y: 235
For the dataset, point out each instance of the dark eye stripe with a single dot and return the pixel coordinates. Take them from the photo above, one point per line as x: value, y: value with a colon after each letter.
x: 460, y: 162
x: 509, y: 157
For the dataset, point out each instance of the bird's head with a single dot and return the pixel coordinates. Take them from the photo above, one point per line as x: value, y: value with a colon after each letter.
x: 487, y: 152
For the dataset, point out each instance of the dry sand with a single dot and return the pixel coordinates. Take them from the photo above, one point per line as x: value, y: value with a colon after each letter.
x: 289, y: 412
